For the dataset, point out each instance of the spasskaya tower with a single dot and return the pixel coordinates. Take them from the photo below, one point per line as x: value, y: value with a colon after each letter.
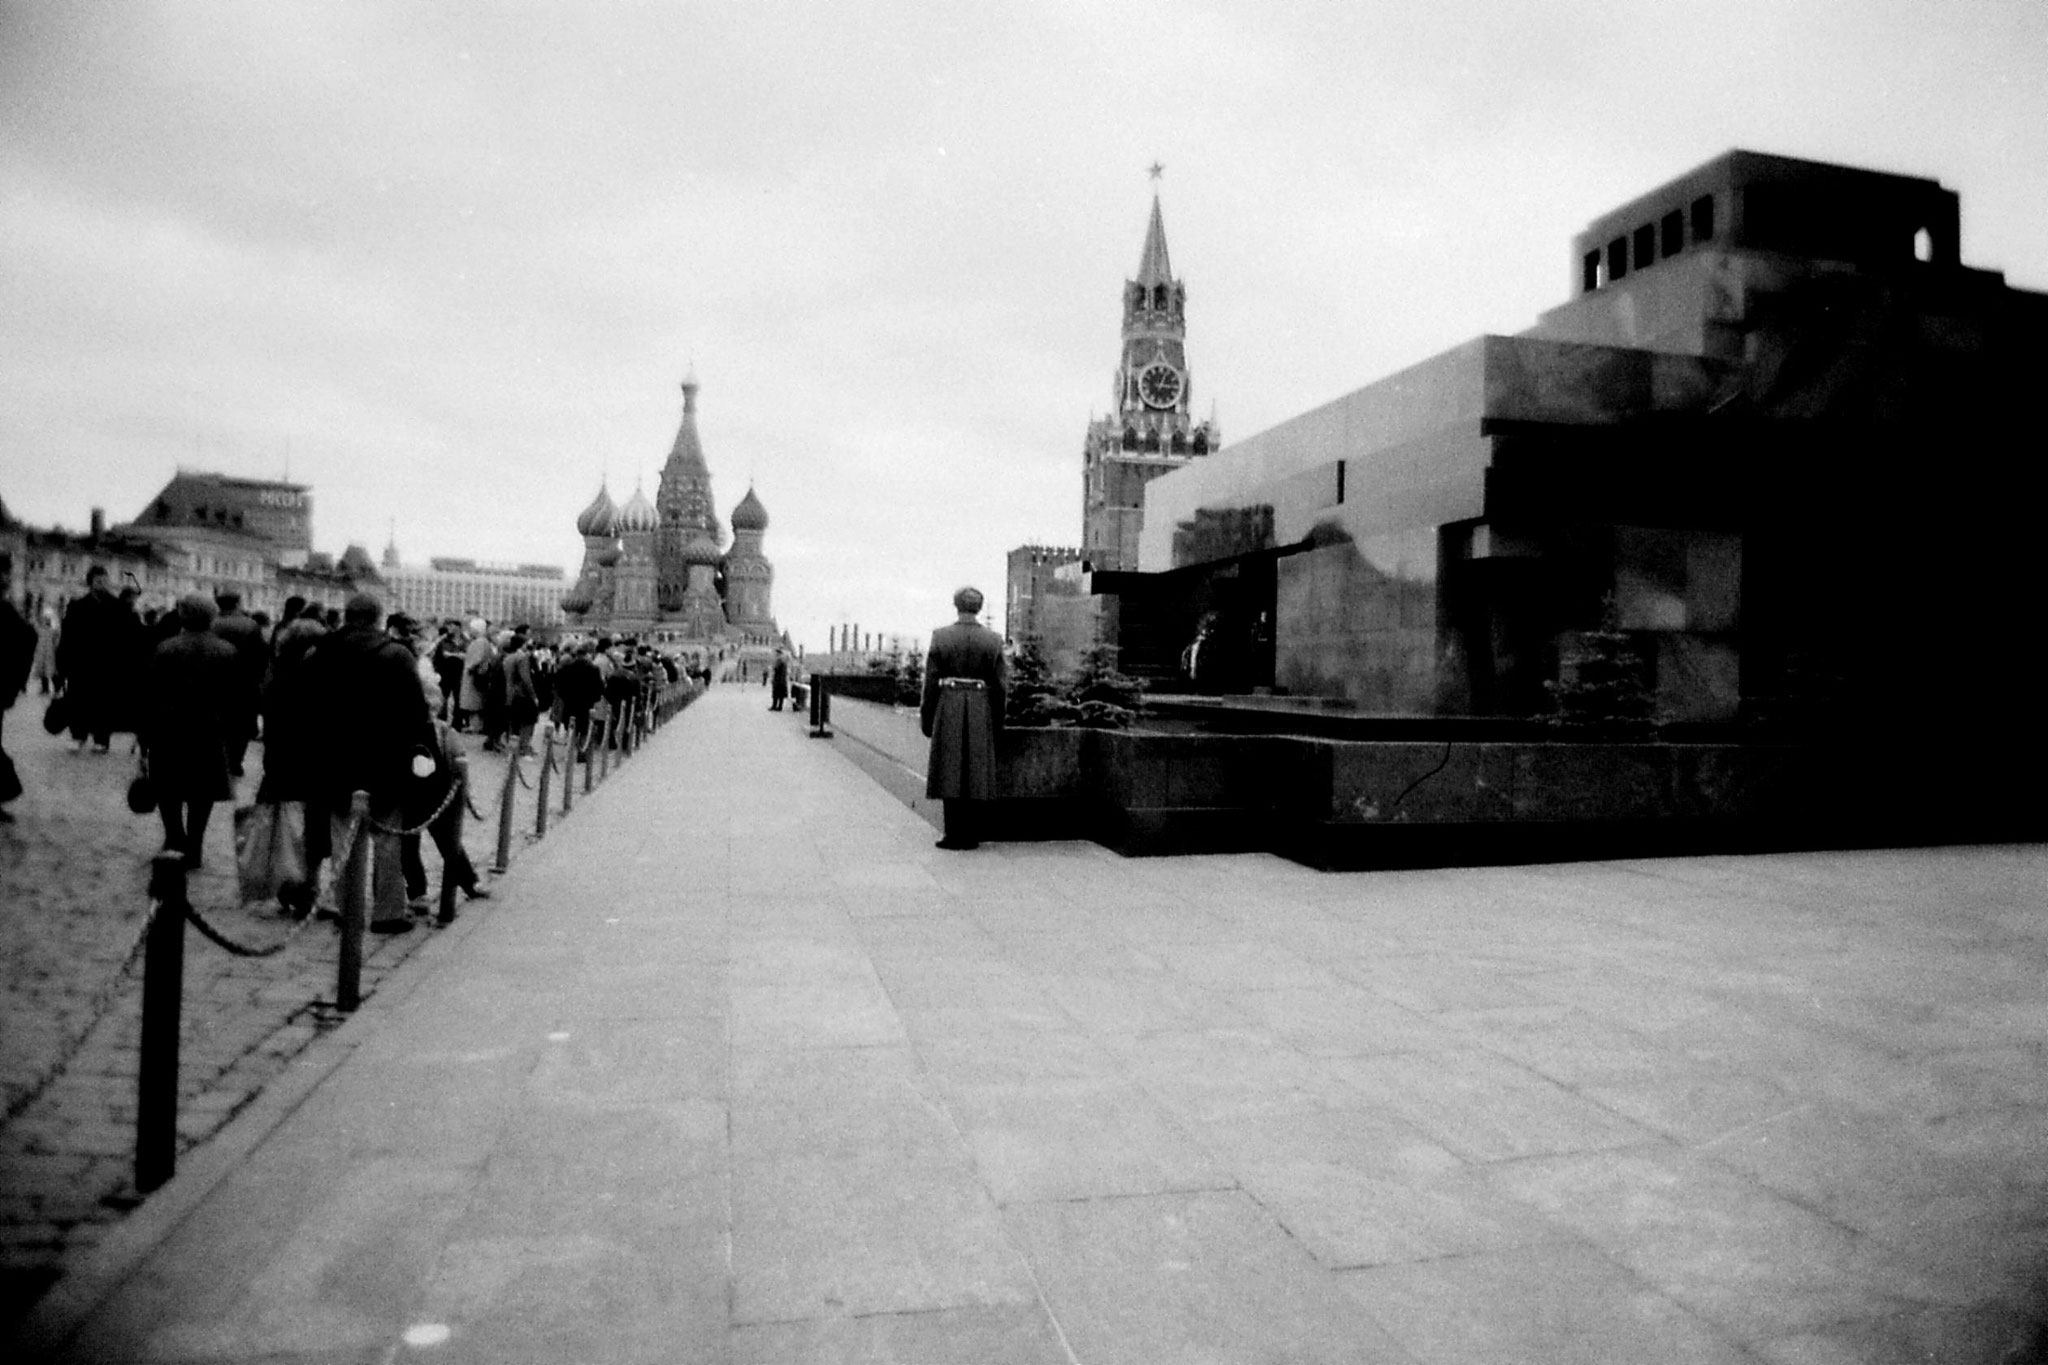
x: 1149, y: 428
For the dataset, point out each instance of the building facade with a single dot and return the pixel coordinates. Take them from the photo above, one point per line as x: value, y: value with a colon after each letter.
x: 659, y: 570
x: 1767, y: 443
x: 445, y: 587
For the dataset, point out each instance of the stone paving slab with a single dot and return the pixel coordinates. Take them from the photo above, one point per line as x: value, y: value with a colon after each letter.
x: 742, y: 1069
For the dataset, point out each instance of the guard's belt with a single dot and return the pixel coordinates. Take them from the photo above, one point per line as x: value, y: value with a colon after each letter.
x: 976, y: 684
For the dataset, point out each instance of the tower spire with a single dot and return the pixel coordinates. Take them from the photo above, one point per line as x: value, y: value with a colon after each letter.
x: 1153, y: 266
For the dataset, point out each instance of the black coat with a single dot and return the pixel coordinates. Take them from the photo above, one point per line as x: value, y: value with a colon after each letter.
x: 962, y: 722
x: 291, y: 715
x: 100, y: 655
x: 190, y: 716
x: 578, y: 685
x: 253, y: 656
x: 371, y: 713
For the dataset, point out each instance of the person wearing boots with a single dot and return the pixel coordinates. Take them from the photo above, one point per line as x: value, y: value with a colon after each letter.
x: 961, y: 713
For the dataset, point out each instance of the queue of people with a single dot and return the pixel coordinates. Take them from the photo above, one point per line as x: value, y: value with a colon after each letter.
x: 343, y: 701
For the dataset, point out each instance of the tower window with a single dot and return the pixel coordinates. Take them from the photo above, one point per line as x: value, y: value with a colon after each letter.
x: 1703, y: 218
x: 1617, y: 259
x: 1923, y: 245
x: 1589, y: 273
x: 1674, y: 233
x: 1646, y: 246
x: 1159, y: 297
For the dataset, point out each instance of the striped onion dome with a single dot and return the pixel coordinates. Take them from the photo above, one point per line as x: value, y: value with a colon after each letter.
x: 597, y: 518
x: 638, y: 515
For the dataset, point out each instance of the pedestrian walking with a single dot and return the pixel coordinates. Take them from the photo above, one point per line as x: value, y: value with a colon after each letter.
x: 372, y: 715
x: 778, y: 682
x: 18, y: 647
x: 579, y: 687
x: 961, y: 712
x: 447, y: 656
x: 291, y: 748
x: 424, y: 797
x: 478, y: 657
x: 96, y: 657
x: 189, y: 717
x: 522, y: 702
x: 252, y: 655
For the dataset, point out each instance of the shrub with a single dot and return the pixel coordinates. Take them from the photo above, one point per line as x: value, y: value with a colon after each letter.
x: 1603, y: 682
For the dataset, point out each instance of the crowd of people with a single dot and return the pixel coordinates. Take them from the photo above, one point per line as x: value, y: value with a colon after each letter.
x: 344, y: 701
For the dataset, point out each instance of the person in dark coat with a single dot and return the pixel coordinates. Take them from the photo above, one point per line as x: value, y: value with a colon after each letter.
x: 521, y: 700
x: 252, y: 652
x: 291, y: 726
x: 778, y: 682
x: 436, y: 801
x: 579, y: 686
x: 96, y: 655
x: 621, y: 689
x: 372, y: 718
x: 447, y: 659
x: 187, y: 725
x: 962, y: 711
x: 18, y: 643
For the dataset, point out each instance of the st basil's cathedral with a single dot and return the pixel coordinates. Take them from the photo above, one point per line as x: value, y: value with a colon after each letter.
x: 660, y: 571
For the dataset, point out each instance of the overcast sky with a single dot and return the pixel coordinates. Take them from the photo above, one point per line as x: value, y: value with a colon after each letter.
x: 452, y: 260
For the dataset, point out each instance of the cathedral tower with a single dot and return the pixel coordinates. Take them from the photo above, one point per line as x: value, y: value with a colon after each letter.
x: 683, y: 502
x: 749, y: 578
x: 593, y: 585
x: 1149, y: 429
x: 633, y: 607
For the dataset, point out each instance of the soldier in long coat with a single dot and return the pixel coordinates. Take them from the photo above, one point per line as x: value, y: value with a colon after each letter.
x: 962, y: 711
x: 191, y: 717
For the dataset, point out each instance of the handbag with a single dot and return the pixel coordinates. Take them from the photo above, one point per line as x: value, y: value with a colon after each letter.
x: 57, y: 715
x: 141, y: 789
x: 270, y: 849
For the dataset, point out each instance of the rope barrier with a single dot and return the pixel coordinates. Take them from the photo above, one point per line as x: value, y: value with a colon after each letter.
x: 447, y: 800
x: 520, y: 773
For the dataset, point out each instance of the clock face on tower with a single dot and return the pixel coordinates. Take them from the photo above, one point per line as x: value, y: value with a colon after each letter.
x: 1159, y: 385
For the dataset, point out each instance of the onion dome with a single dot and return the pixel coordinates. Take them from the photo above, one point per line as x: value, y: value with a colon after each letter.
x: 701, y: 549
x: 750, y: 515
x: 637, y: 515
x: 576, y: 601
x: 597, y: 519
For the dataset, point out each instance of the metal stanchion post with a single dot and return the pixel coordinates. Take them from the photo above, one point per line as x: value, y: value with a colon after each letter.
x: 163, y: 991
x: 821, y: 708
x: 358, y: 874
x: 540, y: 802
x: 569, y: 766
x: 505, y: 814
x: 589, y: 739
x: 629, y: 733
x: 605, y: 757
x: 456, y: 811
